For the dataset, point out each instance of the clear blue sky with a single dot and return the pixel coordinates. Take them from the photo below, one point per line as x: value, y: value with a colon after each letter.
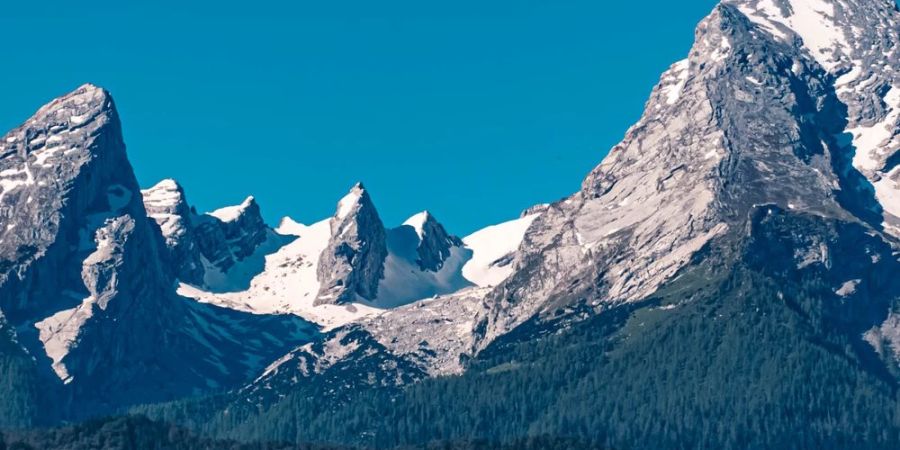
x: 474, y: 110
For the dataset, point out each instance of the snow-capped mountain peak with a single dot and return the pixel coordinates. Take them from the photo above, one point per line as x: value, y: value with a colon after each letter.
x: 352, y: 264
x: 233, y: 213
x: 837, y: 34
x: 417, y: 221
x: 85, y: 279
x: 434, y: 246
x: 356, y: 198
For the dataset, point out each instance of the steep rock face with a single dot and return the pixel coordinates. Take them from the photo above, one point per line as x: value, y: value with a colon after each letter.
x: 352, y: 264
x: 206, y: 249
x: 750, y: 118
x: 856, y: 42
x: 86, y: 283
x: 229, y: 235
x: 62, y: 174
x: 242, y: 227
x: 434, y: 241
x: 167, y: 205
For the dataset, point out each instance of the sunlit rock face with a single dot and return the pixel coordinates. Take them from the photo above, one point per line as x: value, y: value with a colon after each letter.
x: 86, y: 279
x: 776, y: 104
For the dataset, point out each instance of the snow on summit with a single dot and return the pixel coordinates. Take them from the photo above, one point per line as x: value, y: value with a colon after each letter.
x: 232, y: 213
x: 287, y: 280
x: 813, y: 20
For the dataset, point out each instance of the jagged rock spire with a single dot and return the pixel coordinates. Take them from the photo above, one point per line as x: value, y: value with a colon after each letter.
x: 167, y: 204
x: 352, y: 264
x: 434, y: 241
x: 222, y: 237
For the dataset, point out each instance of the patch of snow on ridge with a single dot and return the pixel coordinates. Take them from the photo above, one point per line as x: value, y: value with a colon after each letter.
x: 59, y: 333
x: 404, y: 282
x: 674, y: 81
x: 812, y: 20
x: 240, y: 274
x: 289, y: 227
x: 162, y: 194
x: 349, y: 202
x: 418, y: 222
x: 876, y: 140
x: 232, y: 213
x: 490, y: 246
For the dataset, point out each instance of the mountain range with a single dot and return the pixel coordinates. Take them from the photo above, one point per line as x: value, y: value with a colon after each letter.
x: 725, y: 277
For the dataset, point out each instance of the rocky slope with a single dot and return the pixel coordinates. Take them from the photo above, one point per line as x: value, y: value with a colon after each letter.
x: 84, y: 276
x: 759, y: 113
x: 756, y: 199
x: 352, y: 264
x: 786, y: 104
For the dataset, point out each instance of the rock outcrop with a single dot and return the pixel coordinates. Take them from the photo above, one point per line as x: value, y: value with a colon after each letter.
x: 352, y: 264
x: 85, y: 279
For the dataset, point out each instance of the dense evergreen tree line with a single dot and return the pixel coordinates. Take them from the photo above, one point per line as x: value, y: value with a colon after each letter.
x: 127, y: 433
x: 140, y: 433
x: 20, y: 401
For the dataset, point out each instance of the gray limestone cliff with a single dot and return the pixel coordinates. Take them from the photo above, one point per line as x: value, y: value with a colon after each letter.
x: 352, y: 264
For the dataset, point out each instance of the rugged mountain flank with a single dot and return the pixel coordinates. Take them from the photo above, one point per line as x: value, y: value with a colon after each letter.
x: 352, y: 264
x: 434, y: 241
x: 86, y: 286
x: 755, y: 115
x: 167, y: 205
x: 221, y: 250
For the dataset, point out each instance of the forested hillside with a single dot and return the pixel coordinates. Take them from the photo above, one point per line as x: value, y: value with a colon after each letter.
x: 681, y: 370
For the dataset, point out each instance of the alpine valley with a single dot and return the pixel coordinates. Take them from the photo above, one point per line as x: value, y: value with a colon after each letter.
x: 728, y: 276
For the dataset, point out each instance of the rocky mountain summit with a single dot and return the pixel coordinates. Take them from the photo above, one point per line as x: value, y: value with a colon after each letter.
x: 353, y: 262
x: 434, y: 241
x: 205, y: 247
x: 85, y: 280
x: 780, y: 104
x: 761, y: 113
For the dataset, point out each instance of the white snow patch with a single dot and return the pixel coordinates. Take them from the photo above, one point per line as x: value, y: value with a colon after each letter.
x: 491, y: 244
x: 874, y: 141
x: 290, y: 227
x: 887, y: 192
x: 812, y: 20
x: 163, y: 194
x: 848, y: 288
x: 349, y: 202
x: 674, y: 80
x: 59, y: 333
x: 404, y: 282
x: 232, y: 213
x: 418, y: 222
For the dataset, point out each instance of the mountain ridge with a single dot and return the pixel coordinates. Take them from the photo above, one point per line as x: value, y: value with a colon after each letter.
x: 760, y: 181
